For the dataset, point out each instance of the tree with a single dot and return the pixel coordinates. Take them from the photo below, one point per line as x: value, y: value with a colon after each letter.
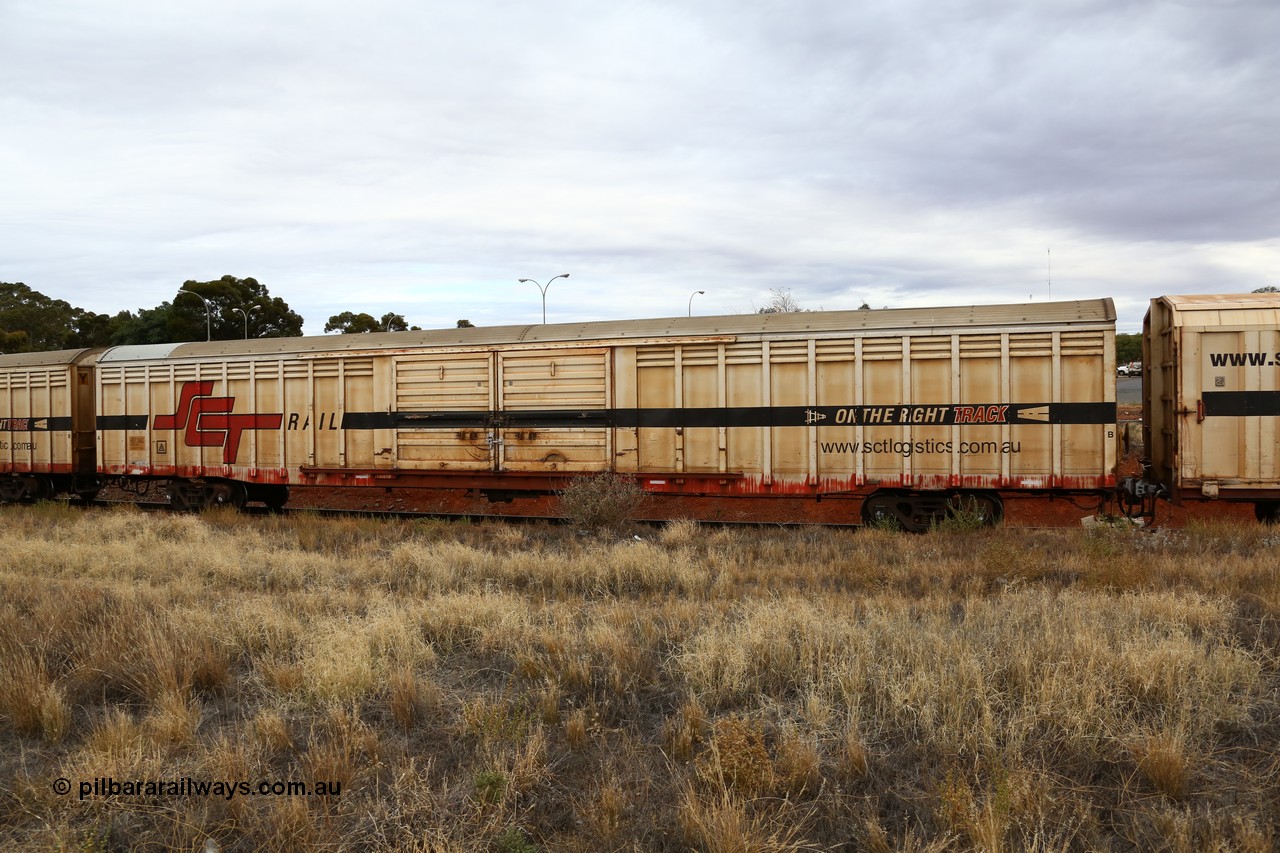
x: 149, y: 326
x: 271, y: 319
x: 1128, y: 348
x: 780, y: 302
x: 32, y: 322
x: 393, y: 323
x: 184, y: 319
x: 96, y: 330
x: 465, y: 324
x: 353, y: 324
x: 1268, y: 289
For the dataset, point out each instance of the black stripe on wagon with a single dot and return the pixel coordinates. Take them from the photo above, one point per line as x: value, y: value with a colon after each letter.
x: 894, y: 415
x: 1241, y: 404
x: 545, y: 419
x: 416, y: 420
x: 557, y: 418
x: 35, y: 424
x: 744, y: 416
x: 1080, y: 413
x: 110, y: 422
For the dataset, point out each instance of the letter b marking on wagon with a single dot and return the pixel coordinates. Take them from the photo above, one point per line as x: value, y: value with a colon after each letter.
x: 208, y: 422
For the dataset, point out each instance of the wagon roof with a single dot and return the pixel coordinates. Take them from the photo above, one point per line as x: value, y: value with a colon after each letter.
x: 941, y: 320
x: 42, y: 359
x: 1223, y: 301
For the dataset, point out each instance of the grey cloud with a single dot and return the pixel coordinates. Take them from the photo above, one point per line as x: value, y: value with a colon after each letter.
x: 912, y: 150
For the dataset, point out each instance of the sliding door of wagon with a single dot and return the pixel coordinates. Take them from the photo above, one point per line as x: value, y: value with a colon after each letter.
x: 553, y: 410
x: 442, y: 406
x: 1234, y: 435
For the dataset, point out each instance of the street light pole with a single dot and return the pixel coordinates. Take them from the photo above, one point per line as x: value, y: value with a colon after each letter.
x: 208, y: 313
x: 246, y: 314
x: 543, y: 288
x: 691, y: 295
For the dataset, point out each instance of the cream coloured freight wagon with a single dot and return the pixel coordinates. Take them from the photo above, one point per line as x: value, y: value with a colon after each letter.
x: 46, y: 424
x: 1211, y: 374
x: 899, y: 411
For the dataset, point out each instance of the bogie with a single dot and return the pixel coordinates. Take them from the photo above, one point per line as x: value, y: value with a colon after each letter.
x: 195, y: 495
x: 28, y: 489
x: 273, y: 496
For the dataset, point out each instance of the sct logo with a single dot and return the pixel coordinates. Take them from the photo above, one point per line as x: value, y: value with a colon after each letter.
x: 208, y: 420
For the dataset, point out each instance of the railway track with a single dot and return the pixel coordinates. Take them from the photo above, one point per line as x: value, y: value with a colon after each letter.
x: 413, y: 515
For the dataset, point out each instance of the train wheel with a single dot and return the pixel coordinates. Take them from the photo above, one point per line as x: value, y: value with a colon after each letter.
x: 178, y: 497
x: 914, y: 512
x: 40, y: 489
x: 883, y: 510
x: 188, y: 496
x: 275, y: 497
x: 229, y: 493
x: 1267, y: 512
x: 12, y: 489
x: 86, y: 488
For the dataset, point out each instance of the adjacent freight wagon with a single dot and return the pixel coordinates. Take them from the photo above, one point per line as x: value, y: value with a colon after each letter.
x: 890, y: 415
x: 1211, y: 377
x: 47, y: 425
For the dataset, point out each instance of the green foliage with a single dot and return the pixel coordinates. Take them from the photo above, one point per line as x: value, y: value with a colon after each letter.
x: 268, y: 317
x: 885, y: 524
x: 513, y: 840
x: 1128, y: 348
x: 353, y: 324
x: 148, y: 326
x: 33, y: 322
x: 489, y: 785
x: 963, y: 518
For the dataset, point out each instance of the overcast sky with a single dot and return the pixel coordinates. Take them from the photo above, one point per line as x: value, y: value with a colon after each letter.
x: 421, y: 156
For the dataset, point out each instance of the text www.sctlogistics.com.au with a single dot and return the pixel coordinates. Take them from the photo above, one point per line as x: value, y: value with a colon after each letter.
x: 909, y: 448
x: 106, y: 787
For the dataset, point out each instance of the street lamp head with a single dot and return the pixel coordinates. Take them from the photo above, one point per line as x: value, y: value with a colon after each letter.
x: 208, y: 313
x: 543, y: 287
x: 245, y: 314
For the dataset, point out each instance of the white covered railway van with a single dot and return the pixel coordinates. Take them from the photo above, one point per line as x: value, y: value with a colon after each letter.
x: 46, y: 424
x: 897, y: 411
x: 1211, y: 376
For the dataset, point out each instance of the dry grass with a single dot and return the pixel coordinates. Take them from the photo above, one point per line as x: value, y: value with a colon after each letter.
x: 485, y: 686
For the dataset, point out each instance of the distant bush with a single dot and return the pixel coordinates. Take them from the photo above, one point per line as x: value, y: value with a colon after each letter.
x: 604, y: 501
